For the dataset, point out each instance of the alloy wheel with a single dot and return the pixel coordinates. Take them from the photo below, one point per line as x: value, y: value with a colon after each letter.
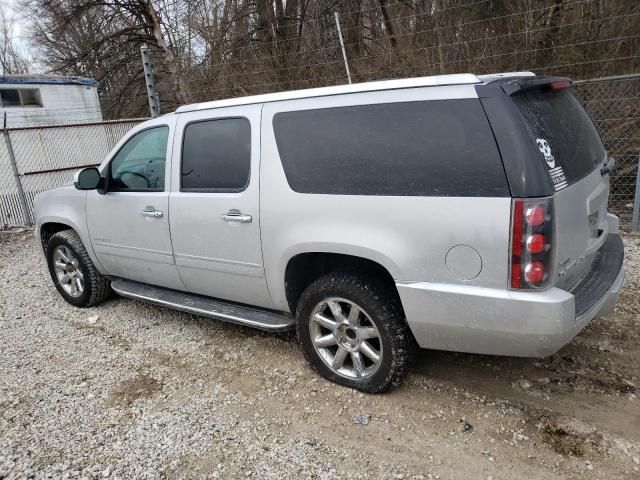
x: 345, y: 338
x: 68, y: 271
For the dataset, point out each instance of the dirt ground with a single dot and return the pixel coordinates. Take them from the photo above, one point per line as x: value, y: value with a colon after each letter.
x: 129, y: 390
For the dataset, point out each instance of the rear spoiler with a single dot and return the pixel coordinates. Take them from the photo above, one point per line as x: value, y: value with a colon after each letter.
x: 518, y: 85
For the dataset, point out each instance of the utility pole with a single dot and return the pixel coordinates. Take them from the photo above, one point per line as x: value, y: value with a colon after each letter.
x: 152, y: 94
x: 344, y: 53
x: 189, y: 36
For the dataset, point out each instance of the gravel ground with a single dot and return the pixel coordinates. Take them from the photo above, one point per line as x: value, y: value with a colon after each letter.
x: 129, y: 390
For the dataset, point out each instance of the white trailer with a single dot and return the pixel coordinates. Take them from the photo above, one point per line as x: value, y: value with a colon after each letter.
x: 33, y: 100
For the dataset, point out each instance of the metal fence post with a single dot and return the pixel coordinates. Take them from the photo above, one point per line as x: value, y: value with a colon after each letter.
x: 344, y: 53
x: 636, y: 201
x: 152, y: 94
x: 16, y: 174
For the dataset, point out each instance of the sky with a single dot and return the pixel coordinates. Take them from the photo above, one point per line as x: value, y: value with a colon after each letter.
x: 11, y: 11
x: 9, y: 8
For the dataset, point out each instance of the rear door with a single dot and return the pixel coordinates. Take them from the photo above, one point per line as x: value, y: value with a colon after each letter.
x: 214, y: 204
x: 569, y: 149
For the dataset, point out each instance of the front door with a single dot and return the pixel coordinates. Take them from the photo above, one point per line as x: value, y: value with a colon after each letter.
x: 129, y: 224
x: 214, y: 204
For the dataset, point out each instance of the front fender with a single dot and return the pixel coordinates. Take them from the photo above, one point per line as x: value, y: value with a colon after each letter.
x: 65, y: 206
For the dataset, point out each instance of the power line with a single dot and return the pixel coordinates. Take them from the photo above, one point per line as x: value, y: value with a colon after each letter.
x: 482, y: 57
x: 329, y: 17
x: 414, y: 33
x: 473, y: 22
x: 404, y: 67
x: 418, y: 32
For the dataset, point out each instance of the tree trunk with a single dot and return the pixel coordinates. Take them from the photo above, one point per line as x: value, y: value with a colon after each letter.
x: 387, y: 24
x: 169, y: 59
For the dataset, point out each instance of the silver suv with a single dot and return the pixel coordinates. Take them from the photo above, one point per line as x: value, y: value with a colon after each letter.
x: 456, y: 212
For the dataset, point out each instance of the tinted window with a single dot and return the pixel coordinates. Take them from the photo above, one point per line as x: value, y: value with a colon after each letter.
x: 437, y: 148
x: 216, y: 155
x: 563, y: 133
x: 140, y: 163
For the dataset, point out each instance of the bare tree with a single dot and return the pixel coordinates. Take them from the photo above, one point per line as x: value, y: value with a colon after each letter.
x: 205, y: 49
x: 102, y: 39
x: 13, y: 57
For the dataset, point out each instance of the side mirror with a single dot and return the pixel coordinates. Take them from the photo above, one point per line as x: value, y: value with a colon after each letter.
x: 87, y: 179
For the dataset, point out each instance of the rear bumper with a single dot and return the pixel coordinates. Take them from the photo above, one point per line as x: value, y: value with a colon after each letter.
x: 503, y: 322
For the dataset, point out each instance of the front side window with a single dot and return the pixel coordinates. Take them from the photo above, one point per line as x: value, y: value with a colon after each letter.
x: 216, y: 155
x: 140, y: 163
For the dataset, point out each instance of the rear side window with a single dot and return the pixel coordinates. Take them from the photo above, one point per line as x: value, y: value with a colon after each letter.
x: 569, y: 143
x: 428, y: 148
x: 216, y: 155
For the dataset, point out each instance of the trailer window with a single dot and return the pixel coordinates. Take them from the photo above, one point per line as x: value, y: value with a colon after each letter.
x: 20, y: 97
x: 10, y: 98
x: 30, y: 97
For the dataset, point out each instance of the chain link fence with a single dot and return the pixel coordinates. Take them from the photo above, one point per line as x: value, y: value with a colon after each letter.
x: 47, y: 157
x: 614, y: 105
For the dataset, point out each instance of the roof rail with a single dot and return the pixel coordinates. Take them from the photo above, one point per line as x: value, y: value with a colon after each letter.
x: 438, y: 80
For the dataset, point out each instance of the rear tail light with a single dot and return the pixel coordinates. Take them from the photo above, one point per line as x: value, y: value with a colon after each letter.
x: 535, y: 215
x: 534, y: 272
x: 531, y: 243
x: 536, y: 243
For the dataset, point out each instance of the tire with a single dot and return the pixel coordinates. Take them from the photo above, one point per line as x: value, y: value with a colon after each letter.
x: 380, y: 313
x: 95, y: 287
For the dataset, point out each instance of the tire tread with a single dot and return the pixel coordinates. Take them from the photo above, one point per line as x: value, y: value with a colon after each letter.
x: 383, y: 301
x: 100, y: 287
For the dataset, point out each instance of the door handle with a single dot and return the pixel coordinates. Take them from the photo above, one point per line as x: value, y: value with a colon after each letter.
x: 236, y: 216
x: 151, y: 212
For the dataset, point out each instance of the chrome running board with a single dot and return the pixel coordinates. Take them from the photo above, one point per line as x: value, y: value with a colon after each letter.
x: 208, y: 307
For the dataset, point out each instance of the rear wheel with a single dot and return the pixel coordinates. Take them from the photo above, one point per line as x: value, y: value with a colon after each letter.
x: 73, y: 272
x: 353, y: 332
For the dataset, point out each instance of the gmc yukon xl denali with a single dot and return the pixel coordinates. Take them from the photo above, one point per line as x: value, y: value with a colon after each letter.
x: 456, y: 212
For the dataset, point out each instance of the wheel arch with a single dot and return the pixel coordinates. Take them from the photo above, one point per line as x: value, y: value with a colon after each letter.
x: 50, y: 225
x: 48, y: 229
x: 305, y: 267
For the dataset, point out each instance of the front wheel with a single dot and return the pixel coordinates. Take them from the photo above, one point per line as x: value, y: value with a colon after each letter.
x: 352, y: 330
x: 73, y: 272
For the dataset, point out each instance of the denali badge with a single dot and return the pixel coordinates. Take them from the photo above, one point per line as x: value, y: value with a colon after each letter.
x: 557, y: 174
x: 566, y: 269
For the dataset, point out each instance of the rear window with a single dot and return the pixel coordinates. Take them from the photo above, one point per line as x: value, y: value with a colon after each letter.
x: 563, y: 132
x: 429, y: 148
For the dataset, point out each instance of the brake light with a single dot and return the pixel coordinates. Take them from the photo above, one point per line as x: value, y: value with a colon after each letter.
x: 535, y: 243
x: 531, y: 243
x: 560, y: 84
x: 516, y: 242
x: 534, y: 272
x: 535, y: 216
